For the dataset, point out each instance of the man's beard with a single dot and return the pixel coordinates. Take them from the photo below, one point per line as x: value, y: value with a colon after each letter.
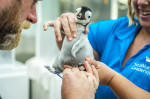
x: 10, y: 26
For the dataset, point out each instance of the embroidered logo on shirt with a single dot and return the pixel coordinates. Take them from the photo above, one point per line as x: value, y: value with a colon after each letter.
x: 141, y: 67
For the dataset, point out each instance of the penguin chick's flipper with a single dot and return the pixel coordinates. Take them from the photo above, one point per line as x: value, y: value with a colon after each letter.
x: 77, y: 46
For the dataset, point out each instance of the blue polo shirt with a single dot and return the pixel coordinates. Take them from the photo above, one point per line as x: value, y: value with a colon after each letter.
x: 111, y: 39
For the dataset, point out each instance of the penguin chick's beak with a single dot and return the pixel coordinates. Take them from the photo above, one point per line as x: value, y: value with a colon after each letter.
x: 80, y: 16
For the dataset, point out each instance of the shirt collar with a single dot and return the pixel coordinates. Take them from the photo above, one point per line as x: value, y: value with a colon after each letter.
x: 125, y: 31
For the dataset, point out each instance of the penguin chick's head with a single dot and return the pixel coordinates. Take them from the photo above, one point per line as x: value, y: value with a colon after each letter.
x: 83, y: 15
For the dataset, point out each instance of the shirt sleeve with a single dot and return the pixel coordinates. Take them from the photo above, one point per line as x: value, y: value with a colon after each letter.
x: 99, y: 32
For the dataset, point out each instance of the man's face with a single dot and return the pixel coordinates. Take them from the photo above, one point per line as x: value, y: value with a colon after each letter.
x: 12, y: 18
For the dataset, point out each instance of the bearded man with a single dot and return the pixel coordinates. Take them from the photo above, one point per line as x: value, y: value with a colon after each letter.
x: 18, y: 14
x: 15, y: 15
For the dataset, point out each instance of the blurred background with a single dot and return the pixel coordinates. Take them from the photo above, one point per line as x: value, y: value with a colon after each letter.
x: 22, y: 75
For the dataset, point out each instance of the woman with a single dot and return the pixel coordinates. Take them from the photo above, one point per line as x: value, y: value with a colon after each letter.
x: 123, y: 45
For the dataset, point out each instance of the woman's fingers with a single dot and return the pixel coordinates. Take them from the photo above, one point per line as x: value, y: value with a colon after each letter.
x: 92, y: 70
x: 88, y: 67
x: 92, y: 62
x: 95, y: 73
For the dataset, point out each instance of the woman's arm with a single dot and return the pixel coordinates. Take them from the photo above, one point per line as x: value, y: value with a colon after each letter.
x: 122, y: 87
x: 125, y: 89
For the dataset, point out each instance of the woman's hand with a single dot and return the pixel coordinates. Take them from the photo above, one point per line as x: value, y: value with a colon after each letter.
x: 92, y: 71
x: 105, y: 73
x: 122, y: 87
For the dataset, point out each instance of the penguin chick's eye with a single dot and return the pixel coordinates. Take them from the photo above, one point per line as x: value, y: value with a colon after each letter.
x: 89, y: 16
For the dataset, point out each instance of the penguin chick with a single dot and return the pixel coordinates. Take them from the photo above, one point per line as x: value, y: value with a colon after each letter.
x: 74, y: 53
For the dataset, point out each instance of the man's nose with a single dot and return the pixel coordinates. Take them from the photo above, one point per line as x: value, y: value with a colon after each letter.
x: 32, y: 17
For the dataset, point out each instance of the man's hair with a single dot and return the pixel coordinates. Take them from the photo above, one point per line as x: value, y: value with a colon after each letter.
x: 131, y: 14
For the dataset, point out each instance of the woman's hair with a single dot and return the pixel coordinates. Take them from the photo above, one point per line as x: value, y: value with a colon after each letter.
x: 131, y: 14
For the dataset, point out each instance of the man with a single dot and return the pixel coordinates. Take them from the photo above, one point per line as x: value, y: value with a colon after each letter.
x: 15, y: 15
x: 12, y: 15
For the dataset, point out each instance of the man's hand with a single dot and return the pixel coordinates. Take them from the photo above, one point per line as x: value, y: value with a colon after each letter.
x: 66, y: 22
x: 78, y: 84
